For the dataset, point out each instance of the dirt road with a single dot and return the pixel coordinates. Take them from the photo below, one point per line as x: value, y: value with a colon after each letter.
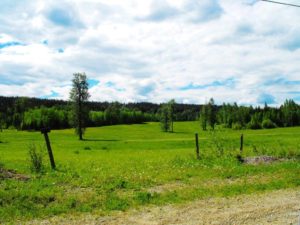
x: 277, y: 207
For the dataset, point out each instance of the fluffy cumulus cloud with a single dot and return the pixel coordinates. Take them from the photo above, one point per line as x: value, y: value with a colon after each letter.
x: 245, y: 51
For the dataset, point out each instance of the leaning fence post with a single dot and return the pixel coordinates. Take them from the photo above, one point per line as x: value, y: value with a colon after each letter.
x: 45, y: 131
x: 242, y: 144
x: 197, y: 146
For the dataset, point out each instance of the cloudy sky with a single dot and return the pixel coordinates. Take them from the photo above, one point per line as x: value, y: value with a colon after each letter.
x: 242, y: 51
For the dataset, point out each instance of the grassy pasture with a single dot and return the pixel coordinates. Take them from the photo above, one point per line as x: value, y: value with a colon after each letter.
x: 127, y: 166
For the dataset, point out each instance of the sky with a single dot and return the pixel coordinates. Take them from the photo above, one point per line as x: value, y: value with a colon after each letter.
x: 244, y: 51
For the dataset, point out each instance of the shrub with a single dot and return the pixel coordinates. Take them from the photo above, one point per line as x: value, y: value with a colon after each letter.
x: 253, y: 125
x: 145, y: 197
x: 36, y: 159
x: 218, y: 142
x: 255, y: 122
x: 237, y: 126
x: 11, y: 127
x: 268, y: 124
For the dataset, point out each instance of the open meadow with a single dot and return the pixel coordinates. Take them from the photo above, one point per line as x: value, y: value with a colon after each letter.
x: 129, y: 166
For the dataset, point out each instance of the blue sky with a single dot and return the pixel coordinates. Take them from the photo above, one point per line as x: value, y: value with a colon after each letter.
x: 244, y: 51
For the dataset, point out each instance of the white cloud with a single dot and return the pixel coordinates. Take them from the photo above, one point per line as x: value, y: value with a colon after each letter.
x: 150, y: 50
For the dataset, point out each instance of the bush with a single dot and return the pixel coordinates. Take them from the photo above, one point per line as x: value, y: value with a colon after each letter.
x: 11, y: 127
x: 36, y: 159
x: 268, y: 124
x: 218, y: 142
x: 254, y: 125
x: 145, y: 197
x: 237, y: 126
x: 255, y: 122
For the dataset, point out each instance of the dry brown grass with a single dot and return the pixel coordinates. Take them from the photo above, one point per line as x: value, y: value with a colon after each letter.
x: 213, y: 183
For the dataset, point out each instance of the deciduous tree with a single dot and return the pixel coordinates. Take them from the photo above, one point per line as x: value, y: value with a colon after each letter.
x: 164, y: 117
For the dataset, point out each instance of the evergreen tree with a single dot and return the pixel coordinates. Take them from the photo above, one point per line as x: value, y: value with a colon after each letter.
x: 211, y: 113
x: 289, y: 112
x: 171, y: 109
x: 204, y: 116
x: 79, y: 95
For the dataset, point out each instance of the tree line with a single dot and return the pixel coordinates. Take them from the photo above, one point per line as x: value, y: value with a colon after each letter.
x: 24, y: 113
x: 248, y: 117
x: 58, y: 117
x: 236, y: 117
x: 33, y: 113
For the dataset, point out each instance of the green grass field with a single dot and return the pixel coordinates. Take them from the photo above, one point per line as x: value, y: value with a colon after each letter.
x: 129, y: 166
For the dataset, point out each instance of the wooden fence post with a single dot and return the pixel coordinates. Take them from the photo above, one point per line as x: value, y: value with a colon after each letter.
x: 45, y: 131
x: 197, y: 146
x: 242, y: 144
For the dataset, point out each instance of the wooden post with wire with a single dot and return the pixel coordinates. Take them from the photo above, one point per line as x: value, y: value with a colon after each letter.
x: 242, y: 144
x: 45, y: 131
x: 197, y: 146
x: 281, y: 3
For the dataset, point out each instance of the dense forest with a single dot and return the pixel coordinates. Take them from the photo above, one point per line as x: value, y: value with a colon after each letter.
x: 25, y: 113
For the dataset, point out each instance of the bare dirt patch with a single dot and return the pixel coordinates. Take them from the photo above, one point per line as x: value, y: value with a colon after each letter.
x: 167, y: 187
x: 264, y: 159
x: 11, y: 174
x: 277, y: 207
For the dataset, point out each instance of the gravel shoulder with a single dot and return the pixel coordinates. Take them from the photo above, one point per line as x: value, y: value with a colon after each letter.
x: 276, y: 207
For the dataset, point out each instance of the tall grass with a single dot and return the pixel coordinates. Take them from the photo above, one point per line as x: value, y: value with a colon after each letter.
x: 35, y: 158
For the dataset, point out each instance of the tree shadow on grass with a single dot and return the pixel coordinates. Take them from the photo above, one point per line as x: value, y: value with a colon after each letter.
x: 180, y: 132
x: 101, y: 140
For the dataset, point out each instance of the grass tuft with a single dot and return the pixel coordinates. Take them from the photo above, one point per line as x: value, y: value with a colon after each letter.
x: 35, y: 158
